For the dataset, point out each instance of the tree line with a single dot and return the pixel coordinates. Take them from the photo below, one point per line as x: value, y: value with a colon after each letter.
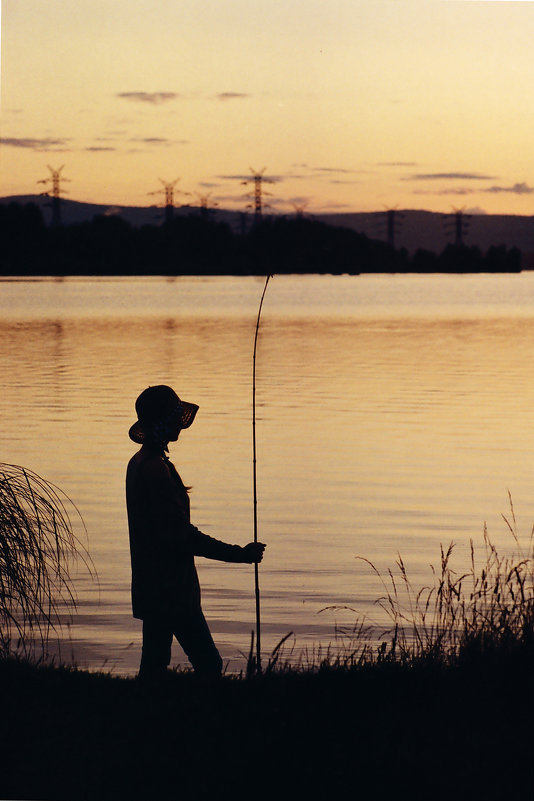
x: 195, y: 244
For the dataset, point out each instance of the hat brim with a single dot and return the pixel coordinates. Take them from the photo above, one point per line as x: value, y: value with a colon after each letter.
x: 189, y: 410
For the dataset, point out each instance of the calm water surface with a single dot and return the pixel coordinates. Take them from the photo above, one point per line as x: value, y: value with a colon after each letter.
x: 394, y: 414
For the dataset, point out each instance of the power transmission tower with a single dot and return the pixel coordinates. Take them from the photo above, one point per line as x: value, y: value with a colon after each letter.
x: 259, y: 192
x: 300, y: 209
x: 205, y: 209
x: 168, y: 191
x: 393, y: 220
x: 55, y: 179
x: 389, y: 224
x: 459, y: 222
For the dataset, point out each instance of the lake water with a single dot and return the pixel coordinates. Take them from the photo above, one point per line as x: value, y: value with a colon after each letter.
x: 394, y: 413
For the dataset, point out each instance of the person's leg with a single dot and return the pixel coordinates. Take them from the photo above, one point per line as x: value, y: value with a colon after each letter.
x: 156, y: 653
x: 194, y: 636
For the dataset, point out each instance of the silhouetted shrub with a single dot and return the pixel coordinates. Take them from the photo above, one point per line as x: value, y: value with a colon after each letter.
x: 37, y: 545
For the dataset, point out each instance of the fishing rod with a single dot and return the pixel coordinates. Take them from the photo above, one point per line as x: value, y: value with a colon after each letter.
x: 255, y: 490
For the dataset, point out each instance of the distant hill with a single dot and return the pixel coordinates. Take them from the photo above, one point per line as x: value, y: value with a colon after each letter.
x: 431, y: 231
x: 415, y: 229
x: 73, y: 211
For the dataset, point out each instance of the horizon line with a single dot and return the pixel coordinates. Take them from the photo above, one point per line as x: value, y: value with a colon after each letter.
x: 272, y: 213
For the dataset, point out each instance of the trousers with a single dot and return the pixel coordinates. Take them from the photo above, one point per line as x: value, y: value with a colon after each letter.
x: 194, y: 636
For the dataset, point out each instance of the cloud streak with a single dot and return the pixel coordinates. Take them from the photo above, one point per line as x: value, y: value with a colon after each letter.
x: 332, y: 175
x: 451, y: 191
x: 516, y: 189
x: 231, y: 96
x: 334, y: 170
x: 34, y: 144
x: 449, y: 176
x: 397, y: 164
x: 159, y: 141
x: 152, y: 98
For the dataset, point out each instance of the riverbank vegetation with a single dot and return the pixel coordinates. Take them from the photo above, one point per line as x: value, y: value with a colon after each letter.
x: 37, y: 549
x: 440, y: 707
x: 419, y: 731
x: 197, y: 244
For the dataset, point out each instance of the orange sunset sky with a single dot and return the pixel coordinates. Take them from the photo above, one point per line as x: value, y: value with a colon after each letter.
x: 351, y: 105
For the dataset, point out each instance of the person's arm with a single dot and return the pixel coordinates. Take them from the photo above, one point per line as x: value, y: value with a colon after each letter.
x: 211, y: 548
x: 175, y: 533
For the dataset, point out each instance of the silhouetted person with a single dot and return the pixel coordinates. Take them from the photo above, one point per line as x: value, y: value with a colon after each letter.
x: 163, y: 542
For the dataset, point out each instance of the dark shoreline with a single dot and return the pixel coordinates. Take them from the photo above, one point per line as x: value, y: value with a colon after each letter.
x: 198, y: 245
x: 380, y: 731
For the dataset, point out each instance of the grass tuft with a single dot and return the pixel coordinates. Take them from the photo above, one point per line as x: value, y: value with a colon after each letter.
x: 486, y: 610
x: 37, y: 549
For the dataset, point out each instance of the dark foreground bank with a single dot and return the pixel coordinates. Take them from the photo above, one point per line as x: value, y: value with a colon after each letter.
x: 381, y: 731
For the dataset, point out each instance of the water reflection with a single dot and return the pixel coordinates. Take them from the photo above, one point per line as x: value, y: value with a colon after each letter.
x: 376, y: 433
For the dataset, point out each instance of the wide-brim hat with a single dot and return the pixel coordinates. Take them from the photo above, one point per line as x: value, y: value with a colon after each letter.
x: 155, y: 404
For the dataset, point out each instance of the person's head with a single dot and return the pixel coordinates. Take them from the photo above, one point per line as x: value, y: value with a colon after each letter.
x: 161, y: 415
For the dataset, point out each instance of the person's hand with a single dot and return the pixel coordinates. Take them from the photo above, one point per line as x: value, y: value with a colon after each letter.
x: 254, y: 552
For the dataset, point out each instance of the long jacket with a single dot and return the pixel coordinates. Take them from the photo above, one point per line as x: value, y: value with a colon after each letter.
x: 163, y: 542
